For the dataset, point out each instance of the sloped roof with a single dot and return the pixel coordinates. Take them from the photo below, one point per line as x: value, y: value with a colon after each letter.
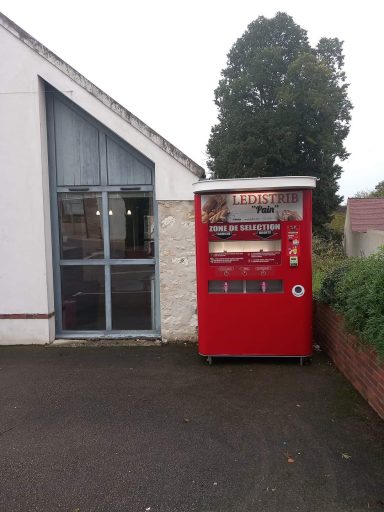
x: 109, y: 102
x: 367, y: 213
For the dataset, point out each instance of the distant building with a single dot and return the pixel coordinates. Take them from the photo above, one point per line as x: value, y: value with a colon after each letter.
x: 364, y: 226
x: 96, y: 209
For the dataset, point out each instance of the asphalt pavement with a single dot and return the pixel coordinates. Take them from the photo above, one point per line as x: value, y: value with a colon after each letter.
x: 155, y: 429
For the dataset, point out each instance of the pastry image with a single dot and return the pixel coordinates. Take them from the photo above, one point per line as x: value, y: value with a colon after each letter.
x: 288, y: 215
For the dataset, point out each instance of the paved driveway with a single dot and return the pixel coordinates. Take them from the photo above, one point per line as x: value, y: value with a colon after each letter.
x: 156, y: 429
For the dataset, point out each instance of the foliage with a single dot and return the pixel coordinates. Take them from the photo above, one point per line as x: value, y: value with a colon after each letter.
x: 327, y: 253
x: 283, y: 110
x: 338, y: 221
x: 355, y: 289
x: 331, y: 278
x: 377, y: 192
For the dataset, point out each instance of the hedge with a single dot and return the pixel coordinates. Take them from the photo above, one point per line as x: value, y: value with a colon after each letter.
x: 355, y: 288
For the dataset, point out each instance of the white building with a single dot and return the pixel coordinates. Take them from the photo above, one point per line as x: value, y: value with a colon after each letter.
x: 96, y: 209
x: 364, y: 226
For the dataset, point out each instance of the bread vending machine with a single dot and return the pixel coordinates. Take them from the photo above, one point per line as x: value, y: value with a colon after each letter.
x: 254, y: 270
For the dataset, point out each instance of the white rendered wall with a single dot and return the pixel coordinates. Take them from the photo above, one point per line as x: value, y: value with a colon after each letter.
x: 358, y: 244
x: 365, y: 244
x: 25, y: 238
x: 23, y: 258
x: 373, y: 240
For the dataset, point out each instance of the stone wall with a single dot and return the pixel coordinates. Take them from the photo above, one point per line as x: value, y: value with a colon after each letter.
x: 357, y: 362
x: 177, y: 270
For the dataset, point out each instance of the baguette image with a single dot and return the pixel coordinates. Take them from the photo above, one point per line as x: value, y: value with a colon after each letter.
x: 214, y: 209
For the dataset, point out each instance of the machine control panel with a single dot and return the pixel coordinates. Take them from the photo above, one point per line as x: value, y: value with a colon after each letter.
x: 252, y: 235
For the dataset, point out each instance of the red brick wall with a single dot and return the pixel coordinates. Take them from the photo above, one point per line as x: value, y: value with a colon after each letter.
x: 358, y: 363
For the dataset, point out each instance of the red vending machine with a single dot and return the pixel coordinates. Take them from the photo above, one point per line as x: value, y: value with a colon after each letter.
x: 254, y: 269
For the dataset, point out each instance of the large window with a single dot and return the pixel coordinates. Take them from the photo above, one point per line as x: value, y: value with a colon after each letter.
x: 104, y: 228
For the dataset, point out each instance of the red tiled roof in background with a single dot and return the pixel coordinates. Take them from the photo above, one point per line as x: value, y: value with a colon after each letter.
x: 367, y: 213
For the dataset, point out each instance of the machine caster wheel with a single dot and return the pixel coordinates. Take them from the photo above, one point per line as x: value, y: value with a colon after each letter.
x: 209, y: 360
x: 305, y: 361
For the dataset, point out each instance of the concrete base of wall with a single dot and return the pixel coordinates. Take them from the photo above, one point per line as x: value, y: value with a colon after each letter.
x: 357, y: 362
x: 26, y: 331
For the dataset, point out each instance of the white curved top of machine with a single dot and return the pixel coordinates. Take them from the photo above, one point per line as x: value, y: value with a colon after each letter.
x: 244, y: 184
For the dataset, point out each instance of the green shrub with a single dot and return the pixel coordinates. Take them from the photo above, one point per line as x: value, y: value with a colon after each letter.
x: 331, y: 279
x: 327, y: 253
x: 355, y: 288
x: 359, y: 296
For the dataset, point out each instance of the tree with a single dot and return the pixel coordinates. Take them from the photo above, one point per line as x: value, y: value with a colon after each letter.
x: 377, y: 192
x: 283, y: 110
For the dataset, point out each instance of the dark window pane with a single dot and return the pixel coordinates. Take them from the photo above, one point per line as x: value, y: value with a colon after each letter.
x: 131, y: 225
x: 81, y: 226
x: 225, y: 286
x: 132, y: 290
x: 83, y: 298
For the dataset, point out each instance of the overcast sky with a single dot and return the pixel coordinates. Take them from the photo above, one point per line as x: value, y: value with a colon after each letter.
x: 162, y: 60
